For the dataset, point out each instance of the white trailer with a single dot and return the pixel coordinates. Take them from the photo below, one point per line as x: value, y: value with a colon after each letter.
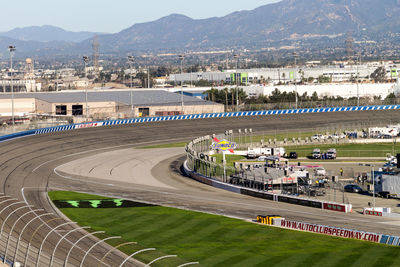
x: 265, y: 151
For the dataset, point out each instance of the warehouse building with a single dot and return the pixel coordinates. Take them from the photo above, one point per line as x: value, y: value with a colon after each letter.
x: 106, y: 104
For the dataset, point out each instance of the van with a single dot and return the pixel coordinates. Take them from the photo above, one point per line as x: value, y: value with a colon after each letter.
x: 316, y: 154
x: 331, y: 154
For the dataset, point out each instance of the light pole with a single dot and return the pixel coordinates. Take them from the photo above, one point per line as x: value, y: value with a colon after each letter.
x: 12, y: 229
x: 373, y: 185
x: 22, y: 231
x: 295, y: 55
x: 44, y: 240
x: 61, y: 239
x: 137, y: 252
x: 181, y: 58
x: 76, y: 243
x: 131, y: 59
x: 373, y: 182
x: 86, y: 60
x: 95, y: 244
x: 358, y: 60
x: 236, y: 57
x: 12, y: 49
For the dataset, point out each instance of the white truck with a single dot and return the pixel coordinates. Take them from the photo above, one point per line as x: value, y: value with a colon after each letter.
x: 331, y: 154
x: 265, y: 151
x: 316, y: 154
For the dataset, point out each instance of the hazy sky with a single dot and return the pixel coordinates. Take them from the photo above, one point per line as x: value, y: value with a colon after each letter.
x: 110, y: 15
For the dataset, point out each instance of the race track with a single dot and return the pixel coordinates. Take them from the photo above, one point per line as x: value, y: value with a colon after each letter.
x: 28, y: 164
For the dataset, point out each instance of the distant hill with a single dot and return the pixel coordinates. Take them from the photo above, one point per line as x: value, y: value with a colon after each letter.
x: 47, y: 34
x: 283, y: 20
x: 287, y: 20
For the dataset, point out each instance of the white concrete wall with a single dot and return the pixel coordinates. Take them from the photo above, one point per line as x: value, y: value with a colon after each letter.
x: 343, y: 90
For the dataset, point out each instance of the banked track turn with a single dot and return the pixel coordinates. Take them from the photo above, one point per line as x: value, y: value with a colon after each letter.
x: 27, y: 169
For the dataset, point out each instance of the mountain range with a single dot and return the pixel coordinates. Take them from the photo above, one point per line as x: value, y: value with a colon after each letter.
x: 47, y: 33
x: 285, y: 20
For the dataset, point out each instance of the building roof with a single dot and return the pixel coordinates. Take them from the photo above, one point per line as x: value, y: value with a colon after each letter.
x: 140, y: 97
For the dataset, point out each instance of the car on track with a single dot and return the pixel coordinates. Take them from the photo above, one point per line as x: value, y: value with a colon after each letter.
x: 353, y: 188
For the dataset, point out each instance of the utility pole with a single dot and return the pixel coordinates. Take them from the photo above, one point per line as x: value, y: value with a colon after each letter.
x: 295, y: 55
x: 12, y: 49
x: 181, y: 58
x: 148, y: 77
x: 358, y: 61
x: 236, y: 56
x: 131, y: 59
x: 86, y: 60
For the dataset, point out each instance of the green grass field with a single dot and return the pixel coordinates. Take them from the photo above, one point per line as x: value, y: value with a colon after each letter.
x: 219, y: 241
x: 349, y: 150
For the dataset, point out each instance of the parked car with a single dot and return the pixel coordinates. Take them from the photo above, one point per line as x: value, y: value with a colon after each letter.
x: 262, y: 158
x: 337, y: 136
x: 353, y: 188
x: 317, y: 137
x: 319, y: 171
x: 292, y: 155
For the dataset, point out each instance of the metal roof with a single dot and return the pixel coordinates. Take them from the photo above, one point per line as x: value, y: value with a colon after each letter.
x: 140, y: 98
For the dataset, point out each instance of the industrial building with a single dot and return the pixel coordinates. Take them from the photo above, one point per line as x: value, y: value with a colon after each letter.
x: 285, y: 75
x: 106, y: 104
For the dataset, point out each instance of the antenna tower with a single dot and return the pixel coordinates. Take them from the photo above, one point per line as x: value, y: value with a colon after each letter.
x: 95, y: 46
x: 349, y: 45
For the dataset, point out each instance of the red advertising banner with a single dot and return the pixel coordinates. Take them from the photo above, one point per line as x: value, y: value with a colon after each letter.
x: 334, y: 207
x: 374, y: 213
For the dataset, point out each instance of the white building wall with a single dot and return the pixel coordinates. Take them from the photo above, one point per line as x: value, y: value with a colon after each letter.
x: 343, y: 90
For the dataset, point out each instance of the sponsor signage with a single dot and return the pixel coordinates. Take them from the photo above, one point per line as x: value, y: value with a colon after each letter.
x: 98, y: 204
x: 88, y: 125
x: 257, y: 194
x: 223, y: 145
x: 372, y: 212
x: 334, y: 207
x: 328, y: 230
x: 300, y: 201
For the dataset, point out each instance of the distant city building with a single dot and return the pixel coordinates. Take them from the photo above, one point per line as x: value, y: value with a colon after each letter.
x: 106, y: 104
x: 20, y: 86
x: 340, y: 73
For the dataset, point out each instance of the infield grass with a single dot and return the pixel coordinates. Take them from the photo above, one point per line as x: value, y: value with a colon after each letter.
x: 219, y: 241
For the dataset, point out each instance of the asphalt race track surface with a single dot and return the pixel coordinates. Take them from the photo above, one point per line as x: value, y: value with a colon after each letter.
x: 27, y: 172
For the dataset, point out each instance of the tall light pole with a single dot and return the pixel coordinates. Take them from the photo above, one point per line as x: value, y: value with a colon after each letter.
x: 12, y: 49
x: 131, y: 59
x: 358, y: 59
x: 181, y: 58
x: 236, y: 57
x: 85, y: 61
x: 373, y: 182
x: 295, y: 55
